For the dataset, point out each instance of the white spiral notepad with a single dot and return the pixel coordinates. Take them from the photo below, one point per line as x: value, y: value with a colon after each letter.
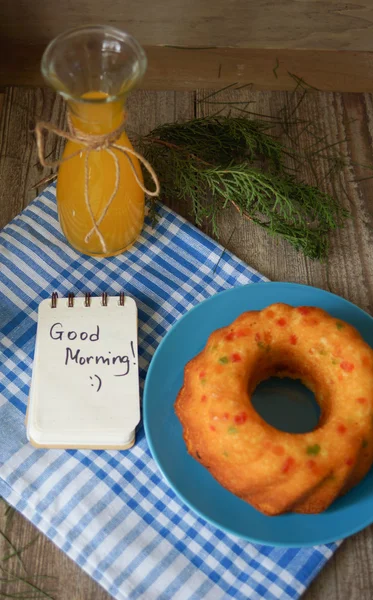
x: 85, y: 385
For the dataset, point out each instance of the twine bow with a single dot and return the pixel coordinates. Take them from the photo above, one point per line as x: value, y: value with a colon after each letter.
x: 93, y: 143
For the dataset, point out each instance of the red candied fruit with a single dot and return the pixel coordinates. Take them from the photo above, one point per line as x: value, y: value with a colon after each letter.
x: 281, y: 322
x: 362, y: 400
x: 293, y: 339
x: 204, y: 398
x: 230, y: 336
x: 289, y: 462
x: 202, y: 374
x: 212, y: 428
x: 242, y: 332
x: 241, y: 418
x: 304, y: 310
x: 350, y: 462
x: 312, y: 322
x: 347, y: 366
x: 236, y: 357
x: 341, y: 428
x: 257, y: 337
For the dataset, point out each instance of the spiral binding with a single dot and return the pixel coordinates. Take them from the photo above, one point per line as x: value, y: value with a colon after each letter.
x: 87, y: 299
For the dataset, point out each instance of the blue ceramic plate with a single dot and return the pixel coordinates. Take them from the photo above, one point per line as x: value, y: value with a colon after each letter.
x: 192, y: 482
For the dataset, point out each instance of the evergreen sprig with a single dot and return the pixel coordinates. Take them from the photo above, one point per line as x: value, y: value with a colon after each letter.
x: 219, y: 161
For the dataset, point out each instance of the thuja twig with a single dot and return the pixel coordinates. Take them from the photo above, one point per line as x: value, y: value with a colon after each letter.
x: 220, y: 161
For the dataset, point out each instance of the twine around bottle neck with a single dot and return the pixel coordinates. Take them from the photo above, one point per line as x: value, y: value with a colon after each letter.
x: 92, y: 143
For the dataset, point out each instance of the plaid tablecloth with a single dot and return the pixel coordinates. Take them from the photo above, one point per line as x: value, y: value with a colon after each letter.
x: 112, y: 512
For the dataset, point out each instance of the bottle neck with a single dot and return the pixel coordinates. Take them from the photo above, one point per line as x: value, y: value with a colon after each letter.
x: 96, y: 118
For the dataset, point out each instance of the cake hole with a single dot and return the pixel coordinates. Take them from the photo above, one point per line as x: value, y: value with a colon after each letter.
x: 286, y: 404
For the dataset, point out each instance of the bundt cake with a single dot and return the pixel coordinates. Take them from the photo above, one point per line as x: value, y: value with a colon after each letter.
x: 273, y: 470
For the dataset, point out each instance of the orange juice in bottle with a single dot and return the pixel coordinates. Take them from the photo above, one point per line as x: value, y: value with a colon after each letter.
x: 100, y: 202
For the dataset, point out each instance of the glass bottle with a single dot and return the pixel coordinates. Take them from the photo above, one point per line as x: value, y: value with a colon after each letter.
x: 94, y: 68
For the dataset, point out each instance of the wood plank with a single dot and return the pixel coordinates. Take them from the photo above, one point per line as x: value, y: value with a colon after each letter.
x: 19, y: 167
x: 178, y: 68
x: 265, y: 69
x: 349, y: 270
x: 146, y: 110
x: 309, y: 24
x: 41, y: 558
x: 348, y: 575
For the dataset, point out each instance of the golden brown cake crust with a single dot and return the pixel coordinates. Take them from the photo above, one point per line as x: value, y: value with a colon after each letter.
x: 273, y: 470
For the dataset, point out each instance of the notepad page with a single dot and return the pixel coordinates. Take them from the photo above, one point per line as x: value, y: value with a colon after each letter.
x: 85, y: 386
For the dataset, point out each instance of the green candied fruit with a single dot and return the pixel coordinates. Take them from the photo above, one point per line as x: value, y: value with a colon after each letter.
x: 223, y: 360
x: 203, y: 381
x: 313, y: 450
x: 225, y: 453
x: 263, y: 346
x: 339, y: 325
x: 232, y: 429
x: 364, y: 443
x: 334, y: 361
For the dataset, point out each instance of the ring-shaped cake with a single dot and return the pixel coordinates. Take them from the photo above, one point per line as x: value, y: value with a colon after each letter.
x: 273, y: 470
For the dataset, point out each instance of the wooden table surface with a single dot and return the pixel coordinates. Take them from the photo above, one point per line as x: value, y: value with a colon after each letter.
x: 348, y: 272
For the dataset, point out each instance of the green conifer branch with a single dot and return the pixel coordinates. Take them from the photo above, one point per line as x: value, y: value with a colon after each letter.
x: 218, y: 161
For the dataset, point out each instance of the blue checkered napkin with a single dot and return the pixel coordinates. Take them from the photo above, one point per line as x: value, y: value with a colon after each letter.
x: 112, y: 512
